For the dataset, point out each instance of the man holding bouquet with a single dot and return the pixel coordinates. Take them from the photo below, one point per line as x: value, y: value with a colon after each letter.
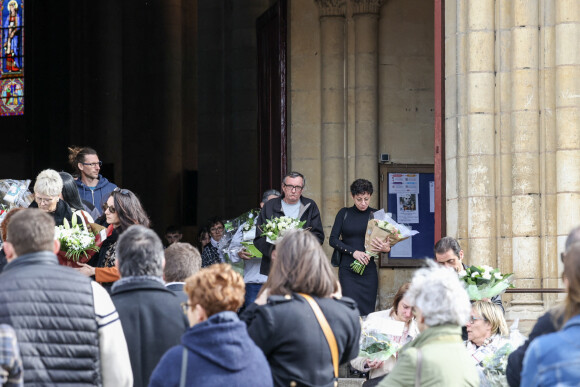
x: 291, y: 204
x: 449, y: 254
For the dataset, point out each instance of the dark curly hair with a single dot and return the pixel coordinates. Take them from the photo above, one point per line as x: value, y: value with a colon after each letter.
x: 361, y: 186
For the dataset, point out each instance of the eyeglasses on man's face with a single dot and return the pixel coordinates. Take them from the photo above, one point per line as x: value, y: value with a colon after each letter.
x: 294, y: 187
x: 100, y: 164
x: 216, y: 229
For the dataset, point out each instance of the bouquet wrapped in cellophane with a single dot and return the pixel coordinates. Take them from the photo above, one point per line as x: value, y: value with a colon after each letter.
x: 485, y: 281
x: 378, y: 336
x: 15, y: 193
x: 382, y: 226
x: 275, y: 228
x: 244, y: 224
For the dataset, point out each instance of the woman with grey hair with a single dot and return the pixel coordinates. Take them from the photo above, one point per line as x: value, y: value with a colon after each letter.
x: 47, y: 190
x: 437, y: 357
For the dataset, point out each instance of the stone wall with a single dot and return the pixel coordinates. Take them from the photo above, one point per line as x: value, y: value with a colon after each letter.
x: 512, y: 136
x: 361, y: 84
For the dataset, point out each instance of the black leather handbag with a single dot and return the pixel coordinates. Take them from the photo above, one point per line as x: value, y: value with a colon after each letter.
x: 336, y: 254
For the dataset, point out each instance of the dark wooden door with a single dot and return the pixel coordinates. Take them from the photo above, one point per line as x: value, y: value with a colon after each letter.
x: 271, y: 34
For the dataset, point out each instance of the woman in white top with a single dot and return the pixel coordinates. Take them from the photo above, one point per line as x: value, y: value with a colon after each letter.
x: 399, y: 311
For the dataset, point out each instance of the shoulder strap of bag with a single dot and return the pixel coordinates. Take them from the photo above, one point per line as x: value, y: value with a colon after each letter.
x: 183, y: 377
x: 418, y: 369
x: 327, y: 330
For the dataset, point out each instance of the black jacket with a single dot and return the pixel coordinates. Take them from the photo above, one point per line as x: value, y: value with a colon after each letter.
x: 51, y: 308
x: 152, y: 320
x: 273, y: 209
x: 290, y: 336
x: 62, y: 211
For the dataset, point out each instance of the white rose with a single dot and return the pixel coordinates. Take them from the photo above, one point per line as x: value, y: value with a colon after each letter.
x: 462, y: 273
x: 486, y: 276
x: 474, y: 274
x: 498, y: 276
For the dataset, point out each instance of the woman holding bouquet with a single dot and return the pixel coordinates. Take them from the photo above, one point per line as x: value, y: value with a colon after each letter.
x: 348, y: 237
x: 122, y: 210
x: 400, y: 311
x: 487, y: 331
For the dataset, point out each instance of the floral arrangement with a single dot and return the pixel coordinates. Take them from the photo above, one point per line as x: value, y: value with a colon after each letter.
x: 275, y: 228
x: 76, y: 241
x: 384, y: 227
x: 494, y: 366
x: 376, y: 342
x: 485, y: 281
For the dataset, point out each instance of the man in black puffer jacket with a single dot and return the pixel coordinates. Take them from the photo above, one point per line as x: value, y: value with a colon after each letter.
x: 67, y: 327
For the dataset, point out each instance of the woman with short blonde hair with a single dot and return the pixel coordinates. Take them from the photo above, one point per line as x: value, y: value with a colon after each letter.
x: 47, y: 191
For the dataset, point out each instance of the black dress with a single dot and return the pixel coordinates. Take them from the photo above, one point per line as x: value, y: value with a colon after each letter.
x: 361, y: 288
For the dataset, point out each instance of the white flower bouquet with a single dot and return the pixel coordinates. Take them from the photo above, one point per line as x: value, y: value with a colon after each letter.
x: 275, y: 228
x: 77, y: 242
x: 485, y: 281
x: 494, y: 367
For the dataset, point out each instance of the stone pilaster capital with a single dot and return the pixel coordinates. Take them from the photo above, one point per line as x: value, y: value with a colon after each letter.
x: 331, y: 7
x: 366, y: 6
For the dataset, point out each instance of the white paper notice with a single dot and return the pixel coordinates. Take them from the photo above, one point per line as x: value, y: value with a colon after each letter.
x: 403, y: 183
x: 392, y: 327
x: 431, y: 196
x: 407, y: 208
x: 403, y: 249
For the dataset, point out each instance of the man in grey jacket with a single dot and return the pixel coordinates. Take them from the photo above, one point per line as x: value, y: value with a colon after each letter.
x: 67, y: 326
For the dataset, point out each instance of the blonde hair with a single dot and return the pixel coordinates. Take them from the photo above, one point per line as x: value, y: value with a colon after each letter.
x: 493, y: 314
x: 216, y: 288
x: 48, y: 182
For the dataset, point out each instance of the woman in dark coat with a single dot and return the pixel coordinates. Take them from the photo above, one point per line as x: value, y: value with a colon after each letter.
x: 348, y: 236
x: 122, y: 210
x: 282, y: 323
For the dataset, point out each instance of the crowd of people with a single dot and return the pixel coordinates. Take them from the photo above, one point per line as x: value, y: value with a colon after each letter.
x: 137, y: 313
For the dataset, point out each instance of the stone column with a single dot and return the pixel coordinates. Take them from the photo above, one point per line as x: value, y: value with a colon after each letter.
x: 366, y: 16
x: 332, y: 47
x: 525, y: 152
x: 480, y: 111
x: 503, y: 52
x: 567, y: 116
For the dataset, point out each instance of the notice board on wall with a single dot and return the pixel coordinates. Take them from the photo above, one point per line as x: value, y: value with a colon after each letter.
x: 408, y: 193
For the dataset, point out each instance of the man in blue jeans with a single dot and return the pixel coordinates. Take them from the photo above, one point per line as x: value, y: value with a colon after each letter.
x: 252, y: 277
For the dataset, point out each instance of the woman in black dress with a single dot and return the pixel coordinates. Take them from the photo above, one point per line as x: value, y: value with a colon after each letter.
x: 348, y: 236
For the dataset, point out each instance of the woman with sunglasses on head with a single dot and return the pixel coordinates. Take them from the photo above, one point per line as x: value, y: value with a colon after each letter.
x: 122, y: 210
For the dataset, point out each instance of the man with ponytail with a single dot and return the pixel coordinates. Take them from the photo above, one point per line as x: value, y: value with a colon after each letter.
x: 92, y: 186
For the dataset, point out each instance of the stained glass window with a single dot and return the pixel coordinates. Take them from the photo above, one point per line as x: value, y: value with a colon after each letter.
x: 12, y: 65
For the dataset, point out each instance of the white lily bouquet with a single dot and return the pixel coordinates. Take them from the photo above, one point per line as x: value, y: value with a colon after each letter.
x: 494, y: 367
x: 77, y: 242
x: 485, y: 281
x: 378, y: 338
x: 275, y: 228
x: 249, y: 233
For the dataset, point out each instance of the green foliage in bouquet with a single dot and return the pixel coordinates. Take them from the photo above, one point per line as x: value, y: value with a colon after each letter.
x: 75, y: 240
x: 377, y: 346
x: 253, y: 250
x: 485, y: 281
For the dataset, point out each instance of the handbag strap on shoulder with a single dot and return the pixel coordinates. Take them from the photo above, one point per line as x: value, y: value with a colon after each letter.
x: 326, y: 329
